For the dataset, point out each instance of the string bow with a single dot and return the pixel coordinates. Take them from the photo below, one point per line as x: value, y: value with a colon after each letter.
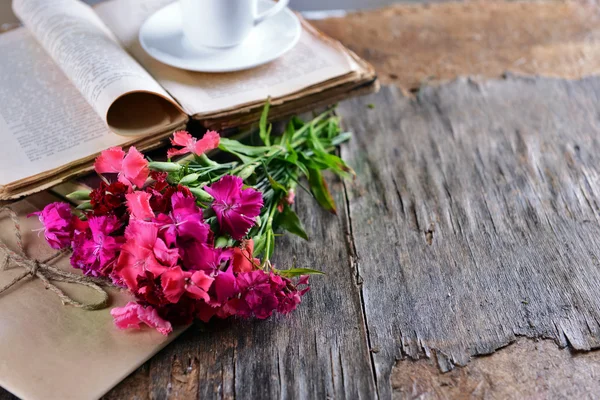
x: 45, y: 272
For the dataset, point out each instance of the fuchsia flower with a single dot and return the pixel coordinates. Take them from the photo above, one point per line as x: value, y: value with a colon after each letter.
x: 94, y: 249
x: 143, y: 251
x: 263, y: 293
x: 132, y: 168
x: 138, y: 204
x: 236, y: 209
x: 290, y: 297
x: 202, y: 256
x: 58, y: 224
x: 190, y: 144
x: 257, y: 296
x: 225, y: 285
x: 184, y: 222
x: 133, y: 314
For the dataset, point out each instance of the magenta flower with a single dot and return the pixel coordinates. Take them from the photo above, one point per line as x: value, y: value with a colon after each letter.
x: 184, y: 222
x: 290, y: 296
x: 94, y: 250
x: 143, y: 251
x: 131, y: 168
x: 257, y: 295
x: 209, y: 141
x: 202, y: 256
x: 225, y: 285
x: 58, y: 224
x: 236, y: 209
x: 133, y: 314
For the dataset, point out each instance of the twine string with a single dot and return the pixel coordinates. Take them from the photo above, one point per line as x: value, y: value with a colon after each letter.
x: 44, y: 271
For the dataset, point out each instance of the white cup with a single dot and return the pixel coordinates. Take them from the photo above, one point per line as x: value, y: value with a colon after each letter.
x: 222, y: 23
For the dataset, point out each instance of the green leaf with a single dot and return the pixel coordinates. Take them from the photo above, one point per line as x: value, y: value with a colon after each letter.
x: 276, y: 185
x: 264, y: 127
x: 259, y: 244
x: 291, y: 273
x: 233, y: 146
x: 289, y: 221
x: 332, y: 161
x: 288, y: 135
x: 319, y: 189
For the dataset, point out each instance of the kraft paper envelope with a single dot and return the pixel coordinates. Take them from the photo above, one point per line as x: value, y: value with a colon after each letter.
x: 52, y: 351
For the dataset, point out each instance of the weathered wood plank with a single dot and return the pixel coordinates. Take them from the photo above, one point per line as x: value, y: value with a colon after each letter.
x: 527, y: 369
x: 415, y: 44
x: 475, y: 217
x: 320, y: 351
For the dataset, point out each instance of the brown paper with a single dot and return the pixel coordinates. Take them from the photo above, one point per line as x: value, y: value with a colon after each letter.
x: 52, y: 351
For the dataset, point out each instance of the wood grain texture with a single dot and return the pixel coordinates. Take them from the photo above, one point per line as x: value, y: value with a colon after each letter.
x: 475, y: 217
x: 411, y: 45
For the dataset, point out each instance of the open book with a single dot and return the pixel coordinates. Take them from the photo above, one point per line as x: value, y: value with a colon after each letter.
x: 75, y: 81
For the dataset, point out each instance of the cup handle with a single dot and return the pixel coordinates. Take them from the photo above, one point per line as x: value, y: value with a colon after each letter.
x: 281, y: 4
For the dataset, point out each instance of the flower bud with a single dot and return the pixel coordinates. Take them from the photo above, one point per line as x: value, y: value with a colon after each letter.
x: 201, y: 194
x: 221, y: 242
x: 247, y: 171
x: 164, y: 166
x: 190, y: 178
x: 79, y: 195
x: 86, y: 205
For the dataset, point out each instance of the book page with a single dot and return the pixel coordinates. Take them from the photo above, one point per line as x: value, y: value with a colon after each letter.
x: 113, y: 83
x: 45, y: 123
x: 311, y: 62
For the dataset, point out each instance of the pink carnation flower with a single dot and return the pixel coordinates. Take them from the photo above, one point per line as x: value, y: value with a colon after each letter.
x: 133, y: 314
x: 290, y: 296
x: 184, y: 222
x: 138, y: 204
x: 257, y: 295
x: 209, y: 141
x: 58, y: 224
x: 143, y: 251
x: 236, y: 208
x: 131, y: 168
x: 176, y: 282
x: 95, y: 249
x: 202, y: 256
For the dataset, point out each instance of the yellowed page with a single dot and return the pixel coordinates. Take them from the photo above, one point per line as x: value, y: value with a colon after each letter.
x: 45, y: 122
x: 311, y: 62
x: 90, y: 56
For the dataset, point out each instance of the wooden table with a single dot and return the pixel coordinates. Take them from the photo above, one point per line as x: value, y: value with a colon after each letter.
x: 472, y: 228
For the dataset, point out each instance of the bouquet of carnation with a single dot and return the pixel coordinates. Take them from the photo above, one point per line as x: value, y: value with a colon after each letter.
x: 193, y: 238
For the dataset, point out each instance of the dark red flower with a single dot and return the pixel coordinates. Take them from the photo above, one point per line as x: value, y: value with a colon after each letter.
x: 150, y: 291
x: 109, y: 198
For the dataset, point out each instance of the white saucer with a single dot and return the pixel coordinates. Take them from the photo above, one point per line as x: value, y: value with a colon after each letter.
x: 163, y: 39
